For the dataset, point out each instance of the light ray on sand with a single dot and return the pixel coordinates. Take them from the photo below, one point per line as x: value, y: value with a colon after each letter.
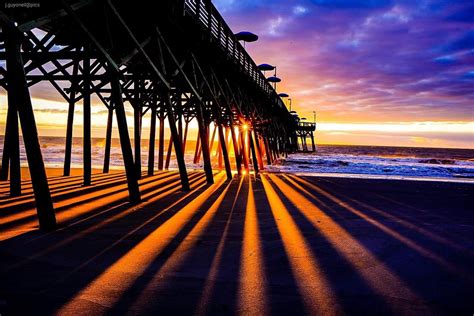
x: 318, y: 296
x: 400, y: 219
x: 78, y: 205
x: 214, y: 270
x: 252, y: 289
x: 108, y: 288
x: 180, y: 254
x: 162, y: 193
x: 375, y: 273
x: 408, y: 242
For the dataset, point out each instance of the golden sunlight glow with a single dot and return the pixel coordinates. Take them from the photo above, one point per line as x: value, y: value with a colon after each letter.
x: 379, y: 277
x: 252, y: 290
x: 408, y: 242
x: 318, y: 296
x: 401, y: 127
x: 179, y: 256
x: 113, y: 282
x: 51, y: 117
x: 77, y: 207
x: 208, y: 289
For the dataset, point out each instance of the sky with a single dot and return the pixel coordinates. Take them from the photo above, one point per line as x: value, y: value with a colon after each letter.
x: 377, y: 72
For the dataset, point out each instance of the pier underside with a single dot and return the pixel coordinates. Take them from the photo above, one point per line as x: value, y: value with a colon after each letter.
x: 175, y: 63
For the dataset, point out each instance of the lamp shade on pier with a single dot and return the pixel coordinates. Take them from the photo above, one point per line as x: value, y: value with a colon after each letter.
x: 283, y: 95
x: 266, y: 67
x: 246, y: 36
x: 273, y: 79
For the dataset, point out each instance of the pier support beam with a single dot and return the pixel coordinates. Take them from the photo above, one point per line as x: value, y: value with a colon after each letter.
x: 5, y: 154
x: 243, y: 150
x: 254, y: 154
x: 259, y: 150
x: 108, y: 139
x: 134, y: 192
x: 196, y: 151
x: 20, y: 96
x: 70, y: 123
x: 137, y: 137
x: 185, y: 135
x: 225, y: 154
x: 177, y: 145
x: 268, y: 150
x: 151, y: 145
x: 204, y: 140
x: 235, y: 144
x: 11, y: 149
x: 161, y: 141
x: 86, y: 101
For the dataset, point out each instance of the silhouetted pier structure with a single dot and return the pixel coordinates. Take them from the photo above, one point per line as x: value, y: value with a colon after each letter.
x: 180, y: 62
x: 303, y: 131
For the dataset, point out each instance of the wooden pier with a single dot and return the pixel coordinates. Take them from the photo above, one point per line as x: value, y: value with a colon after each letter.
x: 180, y: 62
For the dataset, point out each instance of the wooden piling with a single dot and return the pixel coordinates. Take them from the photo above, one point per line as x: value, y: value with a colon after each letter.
x: 134, y: 192
x: 243, y: 150
x: 70, y: 122
x: 151, y: 144
x: 18, y: 91
x: 254, y: 154
x: 12, y: 144
x: 161, y: 141
x: 137, y: 138
x: 204, y: 140
x: 168, y: 153
x: 235, y: 144
x: 177, y: 145
x: 137, y: 128
x: 108, y: 139
x: 224, y: 152
x: 196, y: 151
x: 86, y: 138
x: 258, y: 149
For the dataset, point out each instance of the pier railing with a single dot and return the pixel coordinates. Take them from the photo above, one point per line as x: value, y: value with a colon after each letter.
x: 307, y: 126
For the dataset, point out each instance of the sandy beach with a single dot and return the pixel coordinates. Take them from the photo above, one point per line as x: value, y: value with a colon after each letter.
x: 280, y: 244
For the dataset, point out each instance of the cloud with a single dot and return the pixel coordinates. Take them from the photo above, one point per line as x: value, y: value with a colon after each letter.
x: 352, y: 4
x: 299, y: 10
x: 361, y: 61
x: 52, y: 111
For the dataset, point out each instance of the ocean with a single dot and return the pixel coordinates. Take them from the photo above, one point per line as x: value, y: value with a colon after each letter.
x: 386, y: 162
x: 327, y: 160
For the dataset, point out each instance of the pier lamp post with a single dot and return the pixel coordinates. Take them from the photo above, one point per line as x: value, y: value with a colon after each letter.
x: 245, y: 36
x: 314, y: 117
x: 274, y: 80
x: 283, y: 95
x: 265, y: 68
x: 289, y: 99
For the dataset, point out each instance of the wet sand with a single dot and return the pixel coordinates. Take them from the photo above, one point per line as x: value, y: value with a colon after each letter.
x: 273, y: 244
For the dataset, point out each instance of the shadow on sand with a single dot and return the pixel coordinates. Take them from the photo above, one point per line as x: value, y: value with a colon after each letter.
x: 271, y: 244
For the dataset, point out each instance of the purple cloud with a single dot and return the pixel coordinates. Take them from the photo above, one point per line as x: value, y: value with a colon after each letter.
x: 366, y: 60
